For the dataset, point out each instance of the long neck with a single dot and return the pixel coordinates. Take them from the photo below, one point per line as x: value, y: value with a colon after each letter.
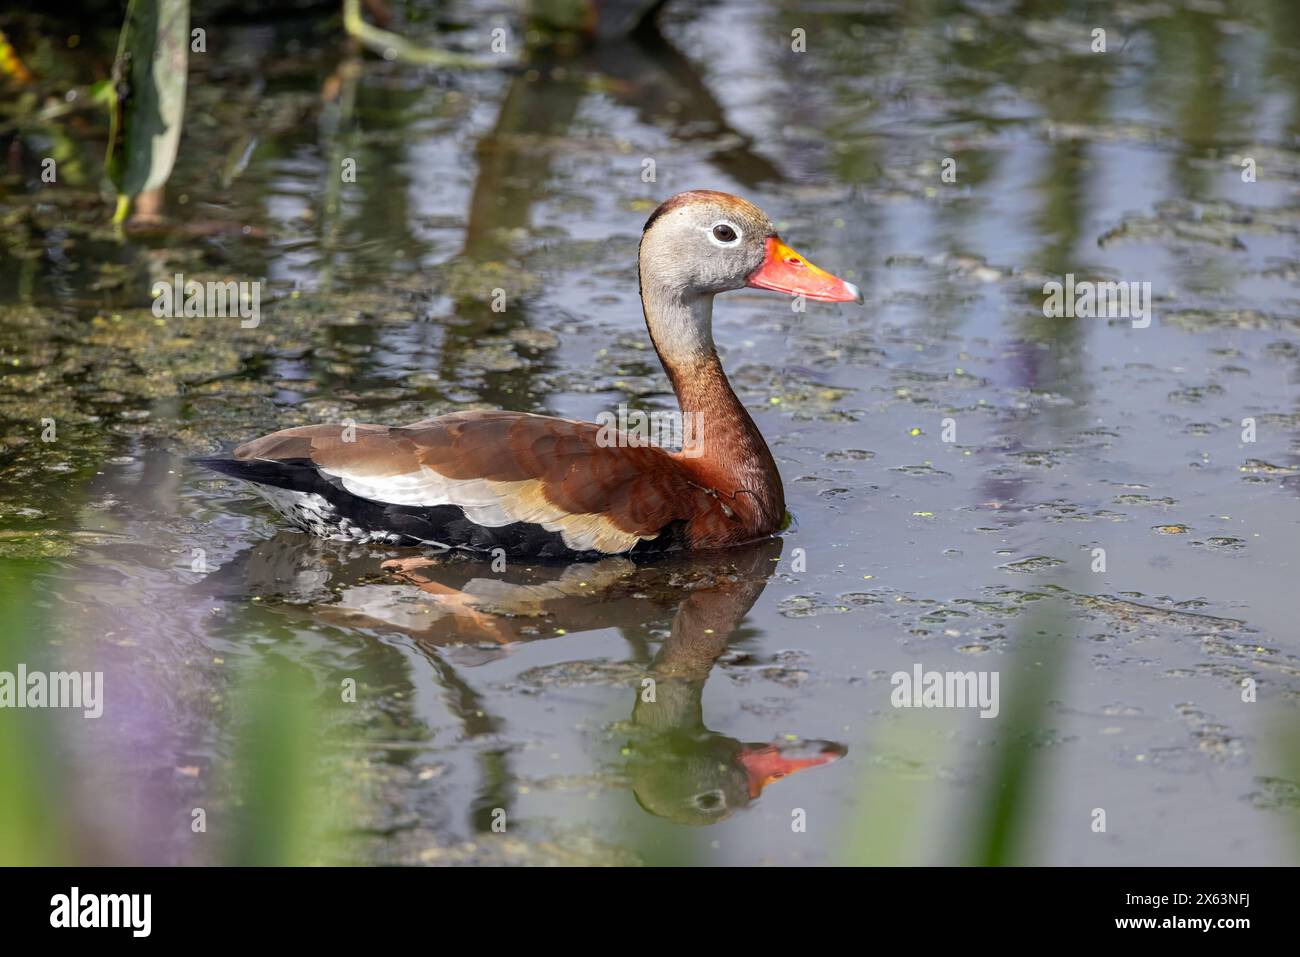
x: 730, y: 455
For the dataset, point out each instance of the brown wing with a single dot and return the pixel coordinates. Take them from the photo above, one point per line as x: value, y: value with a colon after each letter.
x: 501, y: 468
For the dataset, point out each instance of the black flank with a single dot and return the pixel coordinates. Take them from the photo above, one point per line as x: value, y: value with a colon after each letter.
x: 416, y: 524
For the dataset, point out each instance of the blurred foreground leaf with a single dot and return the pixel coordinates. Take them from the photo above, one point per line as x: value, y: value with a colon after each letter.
x: 32, y: 812
x: 281, y: 777
x: 1003, y: 816
x: 898, y: 793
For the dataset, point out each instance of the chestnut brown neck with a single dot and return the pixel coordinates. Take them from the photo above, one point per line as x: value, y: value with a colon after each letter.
x: 735, y: 461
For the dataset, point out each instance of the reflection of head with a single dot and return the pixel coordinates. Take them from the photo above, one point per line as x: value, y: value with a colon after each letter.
x: 690, y: 779
x: 702, y: 778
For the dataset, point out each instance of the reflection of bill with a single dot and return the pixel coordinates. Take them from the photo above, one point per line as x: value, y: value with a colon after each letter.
x: 692, y: 775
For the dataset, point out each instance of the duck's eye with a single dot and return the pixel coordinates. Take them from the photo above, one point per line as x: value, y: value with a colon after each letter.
x: 710, y: 800
x: 724, y: 233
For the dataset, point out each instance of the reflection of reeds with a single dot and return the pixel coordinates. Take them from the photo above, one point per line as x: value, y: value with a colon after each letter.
x: 393, y: 46
x: 32, y: 809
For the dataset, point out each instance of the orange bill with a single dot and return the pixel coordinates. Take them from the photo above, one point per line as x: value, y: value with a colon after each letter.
x: 784, y: 270
x: 764, y: 764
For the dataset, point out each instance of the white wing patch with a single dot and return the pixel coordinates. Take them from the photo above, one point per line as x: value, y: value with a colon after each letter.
x: 494, y: 504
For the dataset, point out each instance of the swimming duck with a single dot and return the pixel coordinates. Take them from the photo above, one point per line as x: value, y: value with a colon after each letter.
x: 542, y: 487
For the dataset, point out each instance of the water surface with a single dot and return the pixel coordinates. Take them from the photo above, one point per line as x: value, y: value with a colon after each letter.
x: 483, y: 692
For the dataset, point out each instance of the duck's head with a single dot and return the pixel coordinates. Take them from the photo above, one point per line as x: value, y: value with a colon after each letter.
x: 703, y: 242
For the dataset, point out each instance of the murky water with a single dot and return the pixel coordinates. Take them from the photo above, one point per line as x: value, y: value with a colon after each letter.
x: 954, y: 461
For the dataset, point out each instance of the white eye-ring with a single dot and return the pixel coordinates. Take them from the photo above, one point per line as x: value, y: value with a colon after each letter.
x: 724, y: 234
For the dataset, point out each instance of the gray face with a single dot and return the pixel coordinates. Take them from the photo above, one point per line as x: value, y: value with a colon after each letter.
x: 705, y: 245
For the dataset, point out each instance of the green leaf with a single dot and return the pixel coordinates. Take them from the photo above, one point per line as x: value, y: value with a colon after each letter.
x: 147, y: 106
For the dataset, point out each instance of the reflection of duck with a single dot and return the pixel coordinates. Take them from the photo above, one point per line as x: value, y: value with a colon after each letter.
x: 537, y: 486
x: 679, y: 768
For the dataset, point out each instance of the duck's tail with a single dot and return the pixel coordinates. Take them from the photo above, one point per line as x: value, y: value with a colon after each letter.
x: 300, y: 476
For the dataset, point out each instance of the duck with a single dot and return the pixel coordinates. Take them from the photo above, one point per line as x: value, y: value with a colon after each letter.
x: 540, y: 487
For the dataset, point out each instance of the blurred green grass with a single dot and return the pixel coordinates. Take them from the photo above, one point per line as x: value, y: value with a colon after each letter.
x: 283, y: 801
x: 34, y: 818
x: 279, y: 794
x: 894, y: 794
